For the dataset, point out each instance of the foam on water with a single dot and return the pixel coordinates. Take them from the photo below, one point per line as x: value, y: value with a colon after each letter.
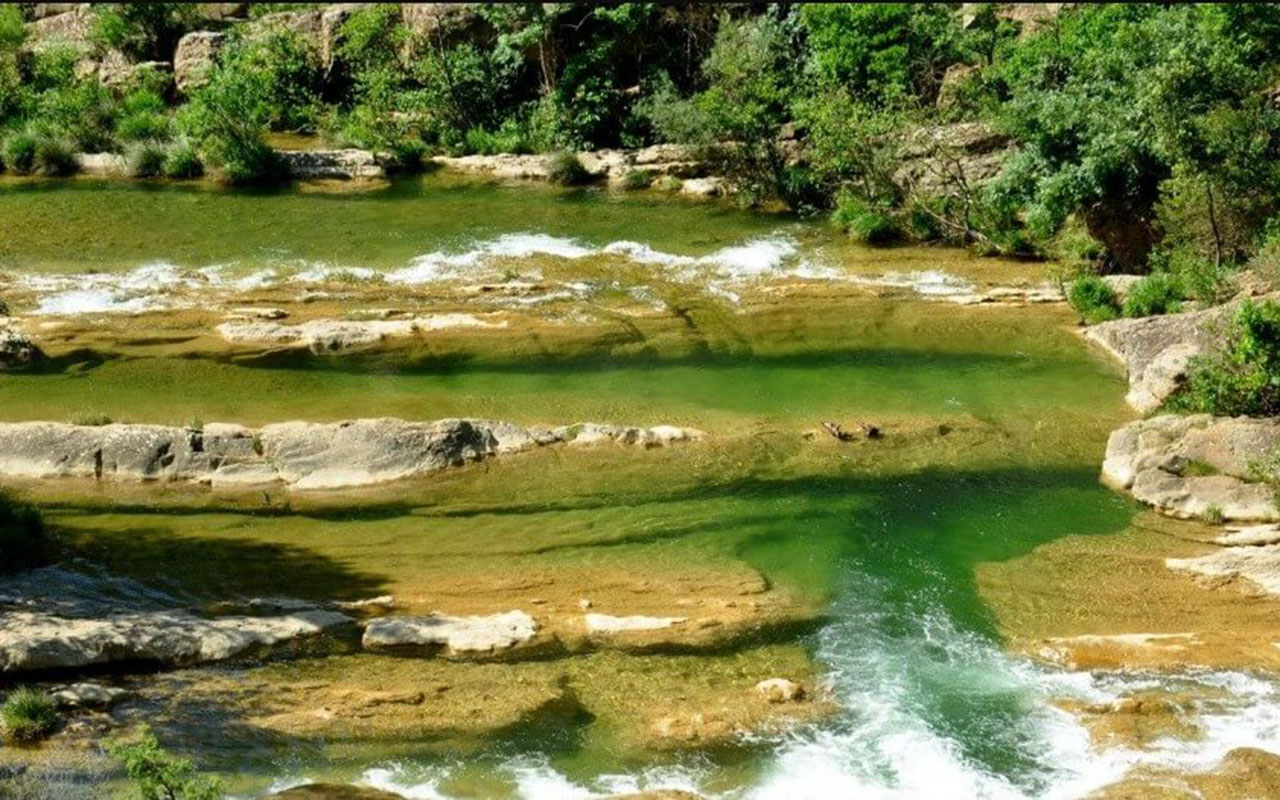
x: 896, y: 675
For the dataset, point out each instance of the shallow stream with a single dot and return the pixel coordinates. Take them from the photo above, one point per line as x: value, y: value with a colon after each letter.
x: 995, y: 420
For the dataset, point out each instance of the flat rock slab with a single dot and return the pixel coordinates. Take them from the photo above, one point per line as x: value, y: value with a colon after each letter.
x: 31, y: 640
x: 608, y: 624
x: 452, y: 637
x: 301, y: 455
x: 1186, y: 466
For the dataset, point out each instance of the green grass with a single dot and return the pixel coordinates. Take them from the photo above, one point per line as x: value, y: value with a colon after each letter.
x: 29, y: 715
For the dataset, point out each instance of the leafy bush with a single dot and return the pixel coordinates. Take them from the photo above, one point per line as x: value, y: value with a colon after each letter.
x: 146, y: 160
x: 182, y: 161
x: 91, y: 419
x: 159, y: 775
x: 1243, y: 377
x: 143, y: 116
x: 20, y: 152
x: 54, y: 157
x: 1213, y: 514
x: 29, y: 715
x: 145, y: 31
x: 566, y: 169
x: 637, y: 179
x: 1158, y: 293
x: 23, y: 540
x: 1093, y: 299
x: 865, y: 222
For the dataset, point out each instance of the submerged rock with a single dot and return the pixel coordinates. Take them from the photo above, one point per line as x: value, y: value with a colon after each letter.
x: 1197, y: 465
x: 452, y: 637
x: 89, y: 695
x: 301, y: 455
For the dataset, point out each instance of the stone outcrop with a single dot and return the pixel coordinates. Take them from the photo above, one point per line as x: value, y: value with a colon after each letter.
x: 54, y: 619
x: 780, y: 690
x: 196, y: 54
x: 948, y: 159
x: 1157, y: 350
x: 17, y: 350
x: 67, y: 29
x: 102, y: 165
x: 32, y: 640
x: 475, y: 638
x: 346, y: 164
x: 1197, y: 465
x: 607, y: 165
x: 300, y: 455
x: 340, y: 336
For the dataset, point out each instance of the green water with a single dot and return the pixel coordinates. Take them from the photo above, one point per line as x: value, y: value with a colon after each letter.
x: 995, y: 423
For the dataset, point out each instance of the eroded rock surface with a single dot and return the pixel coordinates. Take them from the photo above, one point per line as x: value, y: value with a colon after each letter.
x: 301, y: 455
x: 342, y: 164
x: 1157, y: 350
x: 1197, y: 465
x: 452, y: 637
x: 195, y: 56
x: 53, y: 619
x: 340, y: 336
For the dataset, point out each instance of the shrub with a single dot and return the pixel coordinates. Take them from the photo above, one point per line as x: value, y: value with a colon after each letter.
x: 23, y: 541
x: 1213, y: 514
x: 146, y: 160
x: 20, y: 152
x: 91, y: 419
x: 1093, y: 299
x: 866, y: 222
x: 159, y: 775
x: 29, y: 715
x: 182, y: 161
x: 54, y: 157
x: 1243, y: 376
x: 566, y: 169
x: 1266, y: 262
x: 1158, y: 293
x: 637, y: 179
x: 406, y: 155
x: 1197, y: 275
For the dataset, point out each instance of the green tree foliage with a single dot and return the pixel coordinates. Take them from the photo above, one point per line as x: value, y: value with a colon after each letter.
x: 883, y: 53
x: 1243, y: 377
x: 159, y: 775
x: 143, y: 31
x: 1093, y: 299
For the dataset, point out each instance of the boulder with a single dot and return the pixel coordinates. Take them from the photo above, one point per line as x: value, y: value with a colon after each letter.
x: 1186, y: 465
x: 341, y: 164
x: 102, y: 165
x: 17, y: 350
x: 445, y: 24
x: 480, y: 637
x: 68, y: 29
x: 42, y: 10
x: 218, y: 12
x: 703, y: 187
x: 38, y: 640
x: 88, y: 695
x: 954, y: 81
x: 780, y: 690
x: 195, y: 56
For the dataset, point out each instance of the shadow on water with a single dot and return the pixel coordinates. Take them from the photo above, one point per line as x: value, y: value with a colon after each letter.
x: 216, y: 568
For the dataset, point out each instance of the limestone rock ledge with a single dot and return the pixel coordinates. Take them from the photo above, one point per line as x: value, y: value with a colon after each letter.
x: 1195, y: 466
x: 1156, y: 351
x: 300, y: 455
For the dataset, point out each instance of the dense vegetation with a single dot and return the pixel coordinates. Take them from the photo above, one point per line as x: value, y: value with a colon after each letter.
x: 158, y: 775
x: 1243, y: 377
x: 1141, y: 137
